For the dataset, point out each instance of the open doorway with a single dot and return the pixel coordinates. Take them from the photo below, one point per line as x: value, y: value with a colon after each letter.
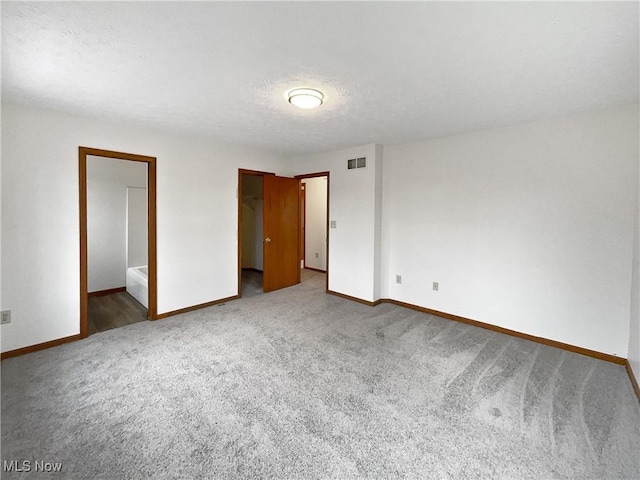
x: 251, y: 233
x: 117, y: 239
x: 314, y: 228
x: 278, y: 241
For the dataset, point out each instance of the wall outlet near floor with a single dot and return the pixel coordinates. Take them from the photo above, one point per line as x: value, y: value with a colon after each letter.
x: 398, y: 278
x: 436, y: 286
x: 6, y: 317
x: 317, y: 255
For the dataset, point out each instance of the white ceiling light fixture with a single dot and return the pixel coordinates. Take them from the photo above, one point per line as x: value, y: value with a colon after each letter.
x: 305, y: 98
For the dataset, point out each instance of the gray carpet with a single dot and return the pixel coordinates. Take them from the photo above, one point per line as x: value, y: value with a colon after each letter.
x: 298, y: 384
x: 251, y: 283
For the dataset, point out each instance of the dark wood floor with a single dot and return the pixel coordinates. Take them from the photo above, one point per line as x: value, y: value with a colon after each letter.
x: 112, y: 311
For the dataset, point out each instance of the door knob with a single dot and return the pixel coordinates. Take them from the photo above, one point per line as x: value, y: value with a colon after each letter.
x: 267, y: 240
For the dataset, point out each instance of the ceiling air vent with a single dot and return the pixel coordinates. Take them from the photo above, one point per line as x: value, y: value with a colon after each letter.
x: 353, y: 163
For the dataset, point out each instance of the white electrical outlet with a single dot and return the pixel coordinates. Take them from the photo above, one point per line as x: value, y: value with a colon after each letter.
x: 398, y: 278
x: 6, y: 317
x: 435, y: 286
x: 333, y: 224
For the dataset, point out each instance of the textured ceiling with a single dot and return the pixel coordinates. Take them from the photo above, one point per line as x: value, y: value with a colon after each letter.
x: 392, y: 72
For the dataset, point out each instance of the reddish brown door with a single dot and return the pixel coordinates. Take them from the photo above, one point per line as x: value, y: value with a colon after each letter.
x: 281, y: 231
x: 303, y: 215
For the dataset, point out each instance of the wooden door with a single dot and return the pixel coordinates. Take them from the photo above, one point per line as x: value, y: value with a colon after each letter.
x: 303, y: 214
x: 281, y: 232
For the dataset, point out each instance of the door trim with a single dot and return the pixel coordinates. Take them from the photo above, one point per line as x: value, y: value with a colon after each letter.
x: 303, y: 224
x: 328, y: 175
x: 83, y: 152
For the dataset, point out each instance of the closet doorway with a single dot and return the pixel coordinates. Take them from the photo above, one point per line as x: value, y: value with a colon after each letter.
x: 276, y: 207
x: 251, y: 193
x: 118, y: 272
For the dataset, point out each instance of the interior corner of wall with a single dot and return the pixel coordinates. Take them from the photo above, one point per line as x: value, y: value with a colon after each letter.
x: 379, y: 149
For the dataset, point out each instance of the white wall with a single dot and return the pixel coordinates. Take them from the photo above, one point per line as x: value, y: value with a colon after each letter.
x: 252, y: 243
x: 315, y: 241
x: 197, y: 216
x: 248, y: 235
x: 377, y: 229
x: 137, y: 228
x: 528, y: 227
x: 352, y: 206
x: 634, y: 324
x: 107, y: 182
x: 1, y: 210
x: 252, y: 222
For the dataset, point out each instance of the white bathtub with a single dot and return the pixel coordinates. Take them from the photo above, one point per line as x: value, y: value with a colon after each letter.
x: 138, y: 284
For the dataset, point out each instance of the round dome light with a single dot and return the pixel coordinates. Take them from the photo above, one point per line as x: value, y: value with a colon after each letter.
x: 305, y: 98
